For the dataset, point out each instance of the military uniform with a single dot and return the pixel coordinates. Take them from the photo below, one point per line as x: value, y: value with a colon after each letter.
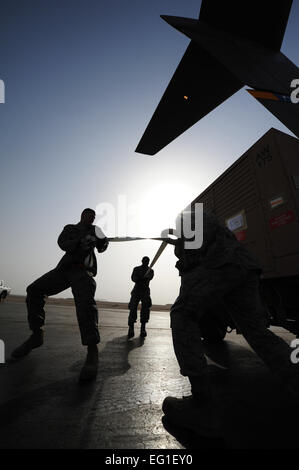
x: 222, y: 274
x: 76, y: 269
x: 140, y: 293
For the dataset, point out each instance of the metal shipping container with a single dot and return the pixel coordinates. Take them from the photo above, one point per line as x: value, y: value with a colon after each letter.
x: 258, y: 199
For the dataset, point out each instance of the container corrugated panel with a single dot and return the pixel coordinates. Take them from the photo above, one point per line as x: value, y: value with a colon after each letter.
x: 207, y: 200
x: 282, y: 220
x: 235, y: 190
x: 251, y: 188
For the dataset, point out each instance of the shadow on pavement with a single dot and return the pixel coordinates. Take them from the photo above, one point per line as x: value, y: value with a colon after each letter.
x: 58, y: 414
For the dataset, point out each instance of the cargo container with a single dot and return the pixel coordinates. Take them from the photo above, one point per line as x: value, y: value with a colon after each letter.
x: 257, y: 198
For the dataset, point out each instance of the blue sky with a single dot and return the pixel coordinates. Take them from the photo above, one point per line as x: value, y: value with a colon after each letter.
x: 82, y: 80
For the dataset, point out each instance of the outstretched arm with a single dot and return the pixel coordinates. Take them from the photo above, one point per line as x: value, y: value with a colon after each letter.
x: 101, y: 240
x: 166, y: 238
x: 149, y: 275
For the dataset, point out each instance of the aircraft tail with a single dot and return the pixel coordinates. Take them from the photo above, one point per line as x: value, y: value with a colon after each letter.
x: 251, y: 63
x: 232, y: 45
x: 262, y: 21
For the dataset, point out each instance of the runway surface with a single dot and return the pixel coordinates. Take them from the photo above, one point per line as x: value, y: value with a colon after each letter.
x: 42, y: 405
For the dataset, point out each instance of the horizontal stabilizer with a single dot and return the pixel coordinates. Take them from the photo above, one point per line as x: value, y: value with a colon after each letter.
x: 252, y: 63
x: 199, y: 84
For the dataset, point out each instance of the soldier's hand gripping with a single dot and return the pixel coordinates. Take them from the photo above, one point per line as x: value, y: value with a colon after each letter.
x: 87, y: 243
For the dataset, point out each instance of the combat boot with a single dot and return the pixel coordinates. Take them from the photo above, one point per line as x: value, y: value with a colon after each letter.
x: 131, y: 332
x: 34, y: 341
x: 90, y: 368
x: 143, y: 332
x: 196, y: 412
x: 190, y: 413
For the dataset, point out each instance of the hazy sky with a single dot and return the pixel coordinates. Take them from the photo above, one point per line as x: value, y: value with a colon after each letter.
x: 82, y: 80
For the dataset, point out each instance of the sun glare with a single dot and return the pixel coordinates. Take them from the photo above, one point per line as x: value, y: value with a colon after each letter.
x: 161, y: 205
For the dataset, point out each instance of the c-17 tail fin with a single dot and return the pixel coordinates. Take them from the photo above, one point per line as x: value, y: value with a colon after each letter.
x: 220, y: 59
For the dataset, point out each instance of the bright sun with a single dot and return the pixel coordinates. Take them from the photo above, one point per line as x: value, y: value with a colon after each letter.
x: 160, y: 207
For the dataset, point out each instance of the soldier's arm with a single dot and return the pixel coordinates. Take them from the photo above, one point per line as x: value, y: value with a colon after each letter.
x: 135, y: 277
x: 101, y: 240
x: 102, y: 245
x: 150, y: 275
x: 68, y: 240
x: 166, y: 238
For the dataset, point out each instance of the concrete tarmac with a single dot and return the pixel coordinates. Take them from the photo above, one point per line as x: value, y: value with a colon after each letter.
x: 42, y: 405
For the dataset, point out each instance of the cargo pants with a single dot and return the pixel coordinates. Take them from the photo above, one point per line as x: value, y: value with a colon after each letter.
x: 83, y: 288
x: 137, y: 296
x: 237, y: 289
